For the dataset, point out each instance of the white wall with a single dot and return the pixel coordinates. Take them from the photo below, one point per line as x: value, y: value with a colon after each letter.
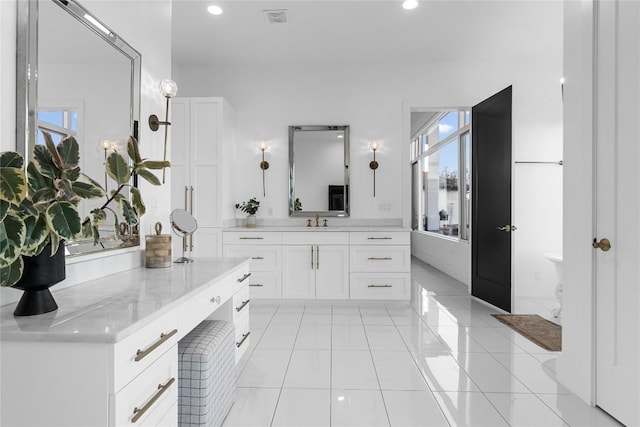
x: 146, y: 25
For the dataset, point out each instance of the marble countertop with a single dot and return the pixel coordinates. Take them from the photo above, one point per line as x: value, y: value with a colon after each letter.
x: 346, y: 228
x: 113, y: 307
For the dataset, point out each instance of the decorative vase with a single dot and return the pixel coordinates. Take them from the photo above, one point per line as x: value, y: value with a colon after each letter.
x: 251, y: 221
x: 40, y: 273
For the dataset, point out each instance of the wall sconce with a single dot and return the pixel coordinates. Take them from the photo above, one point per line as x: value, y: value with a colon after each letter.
x: 374, y: 165
x: 264, y: 165
x: 168, y: 89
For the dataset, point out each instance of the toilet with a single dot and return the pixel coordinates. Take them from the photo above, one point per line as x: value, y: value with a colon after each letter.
x: 556, y: 259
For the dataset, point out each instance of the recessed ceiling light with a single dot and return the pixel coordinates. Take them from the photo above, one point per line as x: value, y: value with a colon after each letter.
x: 410, y: 4
x: 214, y: 10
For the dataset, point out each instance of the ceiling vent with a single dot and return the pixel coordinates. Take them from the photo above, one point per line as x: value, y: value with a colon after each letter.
x: 276, y: 16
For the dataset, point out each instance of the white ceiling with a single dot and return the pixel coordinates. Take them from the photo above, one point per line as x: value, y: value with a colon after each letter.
x: 344, y: 32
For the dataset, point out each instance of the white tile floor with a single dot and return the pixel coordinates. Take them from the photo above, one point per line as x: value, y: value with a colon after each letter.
x: 442, y: 361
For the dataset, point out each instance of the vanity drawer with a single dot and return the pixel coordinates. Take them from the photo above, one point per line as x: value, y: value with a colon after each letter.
x: 267, y: 284
x: 153, y: 392
x: 201, y: 305
x: 252, y: 238
x: 147, y: 345
x: 243, y: 335
x: 263, y: 257
x: 240, y: 277
x: 382, y: 286
x: 320, y: 237
x: 380, y: 258
x: 379, y: 238
x: 241, y: 302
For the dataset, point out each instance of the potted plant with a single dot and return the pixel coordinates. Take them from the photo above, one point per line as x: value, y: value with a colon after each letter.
x: 250, y: 208
x: 39, y: 211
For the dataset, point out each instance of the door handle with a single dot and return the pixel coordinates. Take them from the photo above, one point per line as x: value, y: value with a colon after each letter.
x: 603, y: 244
x: 507, y: 228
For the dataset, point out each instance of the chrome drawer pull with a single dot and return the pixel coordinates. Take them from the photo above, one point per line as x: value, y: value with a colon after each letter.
x: 379, y: 238
x: 243, y: 278
x: 139, y: 412
x: 251, y: 238
x: 244, y: 337
x: 380, y: 286
x: 141, y: 354
x: 257, y: 285
x: 244, y: 303
x: 386, y: 258
x: 257, y: 257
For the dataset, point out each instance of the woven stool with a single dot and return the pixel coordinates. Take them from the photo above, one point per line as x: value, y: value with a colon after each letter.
x: 206, y: 374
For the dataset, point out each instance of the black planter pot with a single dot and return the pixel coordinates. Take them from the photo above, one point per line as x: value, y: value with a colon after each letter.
x: 40, y: 273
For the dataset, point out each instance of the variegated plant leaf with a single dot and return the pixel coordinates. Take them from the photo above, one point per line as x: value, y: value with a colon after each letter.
x: 43, y: 195
x: 71, y: 174
x: 64, y: 220
x: 37, y: 233
x: 12, y: 235
x: 69, y: 152
x: 87, y: 190
x: 43, y: 162
x: 4, y: 209
x: 99, y: 216
x: 93, y: 182
x: 118, y: 169
x: 10, y: 274
x: 136, y: 201
x: 154, y: 164
x: 133, y: 150
x: 66, y: 190
x: 53, y: 152
x: 13, y: 185
x: 37, y: 181
x: 55, y: 243
x: 127, y: 212
x: 149, y: 176
x: 11, y: 159
x: 27, y: 208
x: 117, y: 195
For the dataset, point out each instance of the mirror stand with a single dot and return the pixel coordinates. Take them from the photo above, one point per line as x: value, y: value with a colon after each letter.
x: 183, y: 224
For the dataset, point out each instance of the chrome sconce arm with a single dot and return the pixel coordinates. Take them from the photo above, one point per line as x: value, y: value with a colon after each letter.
x: 168, y: 89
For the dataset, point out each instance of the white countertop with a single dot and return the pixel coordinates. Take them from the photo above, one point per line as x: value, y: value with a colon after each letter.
x: 113, y: 307
x: 274, y: 228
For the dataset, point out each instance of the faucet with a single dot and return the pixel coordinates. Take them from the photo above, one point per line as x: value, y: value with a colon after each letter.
x: 317, y: 220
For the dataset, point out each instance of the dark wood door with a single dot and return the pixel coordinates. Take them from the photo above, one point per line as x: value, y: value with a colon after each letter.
x: 491, y: 200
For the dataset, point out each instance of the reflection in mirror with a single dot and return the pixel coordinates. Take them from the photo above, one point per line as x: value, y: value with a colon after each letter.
x: 319, y: 170
x: 88, y: 86
x: 184, y: 225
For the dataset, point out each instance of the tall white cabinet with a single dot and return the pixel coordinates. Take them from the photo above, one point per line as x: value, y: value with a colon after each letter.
x: 202, y: 135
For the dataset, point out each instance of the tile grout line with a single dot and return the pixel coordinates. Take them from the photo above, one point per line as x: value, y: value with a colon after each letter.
x: 384, y: 403
x: 275, y: 410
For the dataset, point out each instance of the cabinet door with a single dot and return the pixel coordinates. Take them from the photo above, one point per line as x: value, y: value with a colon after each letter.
x: 205, y: 160
x: 332, y: 272
x: 207, y: 242
x: 298, y: 271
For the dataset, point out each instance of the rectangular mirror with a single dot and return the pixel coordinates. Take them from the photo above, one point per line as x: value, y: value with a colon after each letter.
x: 319, y: 170
x: 75, y: 76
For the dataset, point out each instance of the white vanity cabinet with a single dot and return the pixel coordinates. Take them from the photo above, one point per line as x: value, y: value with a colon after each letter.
x: 380, y: 265
x: 264, y: 249
x: 324, y: 264
x: 202, y: 130
x: 109, y: 355
x: 315, y: 265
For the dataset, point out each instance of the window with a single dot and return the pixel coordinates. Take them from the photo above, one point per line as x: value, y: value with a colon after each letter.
x: 59, y: 123
x: 441, y: 192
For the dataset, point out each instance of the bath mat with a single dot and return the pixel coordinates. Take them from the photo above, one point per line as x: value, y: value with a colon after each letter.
x: 541, y: 331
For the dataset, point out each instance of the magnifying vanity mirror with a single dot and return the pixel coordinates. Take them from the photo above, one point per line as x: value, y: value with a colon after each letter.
x: 184, y: 225
x: 75, y: 76
x: 319, y: 170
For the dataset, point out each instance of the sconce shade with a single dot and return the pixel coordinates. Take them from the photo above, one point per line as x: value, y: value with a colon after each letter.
x: 168, y: 88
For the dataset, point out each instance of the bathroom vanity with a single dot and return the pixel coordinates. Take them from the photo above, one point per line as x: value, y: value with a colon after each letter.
x: 109, y: 355
x: 318, y: 263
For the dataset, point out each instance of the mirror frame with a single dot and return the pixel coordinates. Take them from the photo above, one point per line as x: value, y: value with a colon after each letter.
x: 327, y: 213
x: 27, y: 73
